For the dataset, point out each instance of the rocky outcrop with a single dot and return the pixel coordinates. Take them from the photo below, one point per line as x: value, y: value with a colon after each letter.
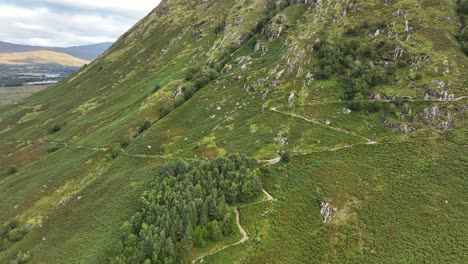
x: 440, y: 96
x: 276, y: 27
x: 438, y: 117
x: 403, y: 128
x: 326, y: 211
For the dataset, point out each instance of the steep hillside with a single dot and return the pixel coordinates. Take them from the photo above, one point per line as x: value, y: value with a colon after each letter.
x: 85, y: 52
x: 365, y: 101
x: 40, y: 57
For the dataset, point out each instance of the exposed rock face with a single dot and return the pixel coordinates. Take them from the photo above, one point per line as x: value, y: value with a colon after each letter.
x: 442, y: 118
x: 441, y: 96
x: 326, y: 211
x: 281, y: 139
x: 276, y: 27
x: 291, y: 99
x: 438, y: 117
x: 403, y: 128
x: 178, y: 91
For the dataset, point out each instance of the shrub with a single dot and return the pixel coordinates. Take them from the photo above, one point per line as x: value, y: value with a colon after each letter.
x: 52, y: 149
x: 115, y: 153
x: 199, y: 81
x: 179, y: 100
x: 4, y: 244
x: 156, y: 88
x: 392, y: 109
x: 465, y: 48
x: 374, y: 106
x: 11, y: 171
x: 55, y: 128
x: 415, y: 76
x: 21, y: 258
x: 164, y: 111
x: 191, y: 72
x: 285, y: 157
x: 15, y: 235
x: 145, y: 125
x: 355, y: 105
x: 464, y: 34
x: 464, y: 7
x: 124, y: 144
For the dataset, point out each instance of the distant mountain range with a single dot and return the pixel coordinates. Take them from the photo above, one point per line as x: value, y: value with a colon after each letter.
x: 40, y: 57
x: 85, y: 52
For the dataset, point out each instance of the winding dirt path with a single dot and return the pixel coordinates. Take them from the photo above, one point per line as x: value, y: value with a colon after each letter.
x: 275, y: 109
x: 244, y: 238
x: 271, y: 161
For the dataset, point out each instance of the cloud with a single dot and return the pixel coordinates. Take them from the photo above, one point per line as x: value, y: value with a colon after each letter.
x: 69, y: 22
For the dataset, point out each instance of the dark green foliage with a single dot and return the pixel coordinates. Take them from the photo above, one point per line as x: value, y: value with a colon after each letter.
x: 360, y: 103
x: 21, y: 258
x: 215, y: 230
x: 11, y: 171
x: 187, y: 204
x: 464, y: 7
x: 464, y: 40
x: 179, y: 100
x: 203, y: 77
x: 465, y: 48
x: 464, y: 34
x: 124, y: 144
x: 392, y: 109
x: 191, y: 72
x: 220, y: 27
x: 52, y: 149
x: 358, y: 30
x: 115, y: 153
x: 164, y: 111
x: 285, y: 157
x: 55, y: 128
x: 356, y: 63
x: 10, y: 232
x: 198, y: 237
x: 156, y: 88
x: 145, y: 125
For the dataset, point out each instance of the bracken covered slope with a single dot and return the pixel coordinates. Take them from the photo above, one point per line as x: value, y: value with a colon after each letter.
x: 367, y: 97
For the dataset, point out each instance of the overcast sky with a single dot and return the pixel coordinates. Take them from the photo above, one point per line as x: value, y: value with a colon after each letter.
x: 62, y: 23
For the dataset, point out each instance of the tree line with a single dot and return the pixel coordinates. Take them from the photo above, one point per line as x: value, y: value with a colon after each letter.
x: 186, y: 205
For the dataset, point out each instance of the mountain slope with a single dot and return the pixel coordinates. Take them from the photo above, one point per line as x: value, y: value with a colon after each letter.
x: 40, y: 57
x: 369, y: 99
x: 85, y: 52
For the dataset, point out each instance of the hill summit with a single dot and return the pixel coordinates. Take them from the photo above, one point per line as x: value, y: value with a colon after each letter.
x: 252, y: 131
x: 40, y: 57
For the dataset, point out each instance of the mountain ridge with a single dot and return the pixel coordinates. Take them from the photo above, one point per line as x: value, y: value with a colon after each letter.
x: 363, y: 101
x: 40, y: 57
x: 84, y: 52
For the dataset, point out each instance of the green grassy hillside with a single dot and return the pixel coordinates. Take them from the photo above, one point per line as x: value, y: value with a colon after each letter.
x: 368, y: 98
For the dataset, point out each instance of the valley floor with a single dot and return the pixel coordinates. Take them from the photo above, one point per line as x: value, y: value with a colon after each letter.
x: 12, y: 95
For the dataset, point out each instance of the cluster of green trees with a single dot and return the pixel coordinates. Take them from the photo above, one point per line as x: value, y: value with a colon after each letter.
x: 144, y: 125
x: 464, y: 32
x: 187, y: 205
x: 10, y: 232
x: 21, y: 257
x: 464, y: 7
x: 357, y: 63
x: 360, y: 103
